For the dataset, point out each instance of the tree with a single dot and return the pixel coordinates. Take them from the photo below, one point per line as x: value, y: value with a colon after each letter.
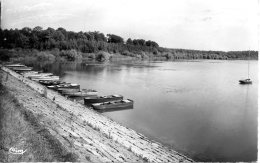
x: 37, y: 29
x: 151, y: 43
x: 111, y: 38
x: 140, y: 42
x: 58, y: 36
x: 81, y: 35
x: 99, y: 36
x: 50, y: 30
x: 44, y: 35
x: 63, y: 31
x: 103, y: 56
x: 26, y: 31
x: 129, y: 41
x: 34, y: 41
x: 71, y: 55
x: 21, y: 40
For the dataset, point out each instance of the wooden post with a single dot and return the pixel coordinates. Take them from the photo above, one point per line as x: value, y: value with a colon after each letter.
x: 45, y: 92
x: 6, y: 79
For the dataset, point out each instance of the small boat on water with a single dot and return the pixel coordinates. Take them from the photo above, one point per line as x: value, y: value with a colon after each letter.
x: 100, y: 99
x: 50, y: 82
x: 119, y: 104
x: 28, y: 73
x: 64, y: 86
x: 38, y: 75
x: 49, y: 78
x: 245, y: 81
x: 15, y: 65
x: 83, y: 93
x: 19, y: 69
x: 68, y: 90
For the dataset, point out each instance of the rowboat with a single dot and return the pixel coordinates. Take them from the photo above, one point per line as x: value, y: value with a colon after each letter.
x: 22, y: 69
x: 51, y: 82
x: 90, y: 91
x: 120, y: 104
x: 245, y: 81
x: 49, y: 78
x: 64, y: 86
x: 67, y: 86
x: 100, y: 99
x: 38, y: 75
x: 15, y: 65
x: 68, y: 90
x: 28, y: 73
x: 83, y: 93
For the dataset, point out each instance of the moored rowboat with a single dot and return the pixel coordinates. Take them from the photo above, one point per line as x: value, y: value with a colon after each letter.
x: 22, y: 68
x: 15, y: 65
x: 83, y: 93
x: 26, y: 74
x: 50, y: 78
x: 64, y: 87
x: 245, y: 81
x: 68, y: 90
x: 38, y: 75
x: 100, y: 99
x: 51, y: 82
x: 120, y: 104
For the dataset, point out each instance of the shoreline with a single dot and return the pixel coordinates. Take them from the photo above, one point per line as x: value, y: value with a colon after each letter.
x: 132, y: 146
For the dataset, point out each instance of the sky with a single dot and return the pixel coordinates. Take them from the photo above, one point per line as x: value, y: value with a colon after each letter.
x: 188, y: 24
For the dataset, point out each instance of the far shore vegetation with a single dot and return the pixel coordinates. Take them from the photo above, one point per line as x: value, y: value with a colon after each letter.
x: 59, y: 44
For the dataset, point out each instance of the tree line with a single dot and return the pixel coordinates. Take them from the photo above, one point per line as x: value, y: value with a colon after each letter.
x: 86, y: 42
x: 94, y: 42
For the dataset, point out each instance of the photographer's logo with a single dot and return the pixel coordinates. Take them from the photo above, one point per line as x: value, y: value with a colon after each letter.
x: 17, y: 151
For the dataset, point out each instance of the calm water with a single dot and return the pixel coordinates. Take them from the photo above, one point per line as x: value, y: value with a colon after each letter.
x: 195, y: 107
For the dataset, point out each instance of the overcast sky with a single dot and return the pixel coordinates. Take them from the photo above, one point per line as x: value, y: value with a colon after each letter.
x: 189, y: 24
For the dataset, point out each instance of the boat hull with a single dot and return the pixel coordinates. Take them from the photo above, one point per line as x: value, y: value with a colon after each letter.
x: 46, y: 79
x: 14, y: 65
x: 100, y: 99
x: 63, y: 87
x: 18, y: 69
x: 68, y: 90
x: 113, y: 105
x: 246, y: 81
x: 79, y: 94
x: 40, y: 75
x: 48, y: 83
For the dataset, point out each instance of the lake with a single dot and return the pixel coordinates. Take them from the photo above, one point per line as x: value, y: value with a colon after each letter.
x: 195, y: 107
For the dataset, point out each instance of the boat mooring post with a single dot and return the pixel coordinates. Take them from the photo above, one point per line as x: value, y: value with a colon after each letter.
x: 45, y: 92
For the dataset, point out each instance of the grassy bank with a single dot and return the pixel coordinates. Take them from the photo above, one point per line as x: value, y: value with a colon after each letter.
x: 20, y: 129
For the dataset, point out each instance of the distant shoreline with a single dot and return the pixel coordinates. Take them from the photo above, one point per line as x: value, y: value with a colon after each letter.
x: 18, y: 55
x: 96, y: 45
